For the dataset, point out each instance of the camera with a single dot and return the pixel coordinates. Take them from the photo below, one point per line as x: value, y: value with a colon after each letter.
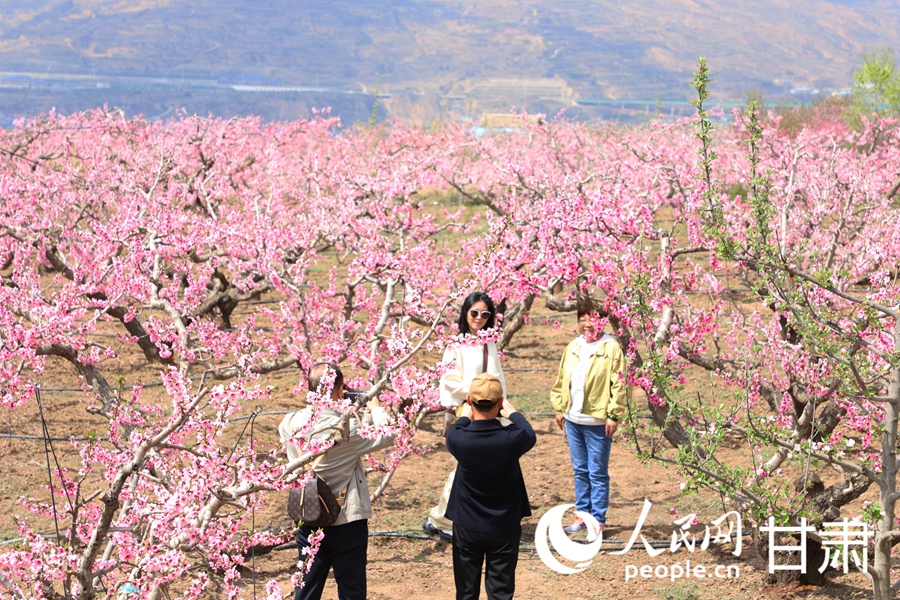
x: 354, y: 396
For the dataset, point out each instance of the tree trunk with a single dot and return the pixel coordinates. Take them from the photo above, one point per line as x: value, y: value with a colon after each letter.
x: 881, y: 570
x: 516, y: 321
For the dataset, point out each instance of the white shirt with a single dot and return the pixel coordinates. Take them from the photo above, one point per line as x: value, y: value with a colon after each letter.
x: 576, y: 387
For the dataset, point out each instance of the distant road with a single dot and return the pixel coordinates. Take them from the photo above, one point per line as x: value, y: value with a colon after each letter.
x: 37, y: 80
x: 33, y: 80
x: 676, y: 103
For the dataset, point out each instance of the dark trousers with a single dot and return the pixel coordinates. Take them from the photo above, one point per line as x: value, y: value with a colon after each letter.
x: 499, y: 553
x: 344, y: 549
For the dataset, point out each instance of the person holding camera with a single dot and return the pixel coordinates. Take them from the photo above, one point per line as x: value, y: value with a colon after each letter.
x: 468, y: 360
x: 345, y: 543
x: 488, y: 499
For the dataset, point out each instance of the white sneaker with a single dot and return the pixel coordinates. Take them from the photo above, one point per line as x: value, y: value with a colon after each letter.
x: 576, y: 526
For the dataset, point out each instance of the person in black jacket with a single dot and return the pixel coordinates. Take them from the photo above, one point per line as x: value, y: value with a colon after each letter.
x: 488, y: 499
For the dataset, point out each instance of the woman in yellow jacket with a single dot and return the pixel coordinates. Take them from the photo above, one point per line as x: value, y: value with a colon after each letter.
x: 589, y: 400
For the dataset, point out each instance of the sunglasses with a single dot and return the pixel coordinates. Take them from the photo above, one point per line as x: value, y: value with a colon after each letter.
x: 483, y: 314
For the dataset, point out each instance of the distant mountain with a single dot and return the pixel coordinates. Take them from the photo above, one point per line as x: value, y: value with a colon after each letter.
x: 428, y: 59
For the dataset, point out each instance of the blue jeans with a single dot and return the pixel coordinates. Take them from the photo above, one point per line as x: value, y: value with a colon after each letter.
x: 589, y: 449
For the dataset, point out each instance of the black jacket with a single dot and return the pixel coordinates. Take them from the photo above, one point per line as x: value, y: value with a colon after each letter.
x: 488, y: 492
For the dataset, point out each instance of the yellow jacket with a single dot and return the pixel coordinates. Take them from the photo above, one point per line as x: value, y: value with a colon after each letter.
x: 604, y: 382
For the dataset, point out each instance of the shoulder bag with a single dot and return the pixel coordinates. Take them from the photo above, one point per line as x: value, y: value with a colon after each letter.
x: 314, y: 504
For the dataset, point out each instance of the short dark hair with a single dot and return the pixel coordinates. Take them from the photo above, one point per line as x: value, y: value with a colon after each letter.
x: 485, y: 408
x: 467, y: 304
x: 316, y: 372
x: 585, y: 305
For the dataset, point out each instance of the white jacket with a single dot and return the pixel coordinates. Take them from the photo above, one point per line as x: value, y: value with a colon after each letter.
x: 469, y: 361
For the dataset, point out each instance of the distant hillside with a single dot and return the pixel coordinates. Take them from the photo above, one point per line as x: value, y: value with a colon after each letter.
x: 428, y: 59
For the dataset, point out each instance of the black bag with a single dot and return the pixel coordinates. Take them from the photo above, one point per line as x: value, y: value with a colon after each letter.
x: 313, y: 505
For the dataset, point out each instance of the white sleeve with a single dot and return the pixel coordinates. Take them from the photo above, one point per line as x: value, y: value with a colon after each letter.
x: 453, y: 384
x: 379, y: 416
x: 495, y: 368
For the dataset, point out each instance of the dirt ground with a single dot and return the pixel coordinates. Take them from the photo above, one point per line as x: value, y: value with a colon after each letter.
x: 404, y: 563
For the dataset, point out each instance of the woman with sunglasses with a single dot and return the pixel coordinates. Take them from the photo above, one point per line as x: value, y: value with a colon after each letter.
x: 468, y: 360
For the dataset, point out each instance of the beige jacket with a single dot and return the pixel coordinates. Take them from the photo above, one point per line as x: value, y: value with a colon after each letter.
x: 342, y: 465
x: 604, y: 382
